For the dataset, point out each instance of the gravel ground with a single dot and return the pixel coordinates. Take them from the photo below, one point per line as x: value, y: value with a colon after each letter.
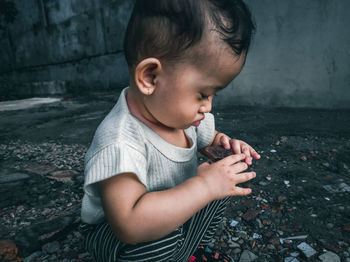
x: 300, y: 197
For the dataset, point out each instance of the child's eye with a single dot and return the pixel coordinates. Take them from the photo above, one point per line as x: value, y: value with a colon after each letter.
x: 204, y: 96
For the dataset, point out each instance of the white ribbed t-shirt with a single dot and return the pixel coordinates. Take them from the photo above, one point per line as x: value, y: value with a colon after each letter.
x: 124, y: 144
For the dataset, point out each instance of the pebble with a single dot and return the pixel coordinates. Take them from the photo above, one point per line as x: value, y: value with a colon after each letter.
x: 263, y: 183
x: 271, y: 247
x: 306, y: 249
x: 291, y: 259
x: 51, y: 247
x: 330, y: 225
x: 234, y: 245
x: 236, y: 251
x: 329, y: 257
x: 247, y: 256
x: 32, y: 257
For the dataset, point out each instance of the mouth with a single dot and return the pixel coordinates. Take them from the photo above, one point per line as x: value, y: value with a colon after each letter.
x: 196, y: 123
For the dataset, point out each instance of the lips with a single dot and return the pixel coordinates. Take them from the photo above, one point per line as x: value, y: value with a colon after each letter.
x: 196, y: 123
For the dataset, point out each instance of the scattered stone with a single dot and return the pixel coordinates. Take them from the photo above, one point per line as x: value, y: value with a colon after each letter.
x: 271, y: 247
x: 247, y: 256
x: 329, y: 257
x: 257, y: 236
x: 236, y: 251
x: 234, y: 245
x: 263, y: 183
x: 307, y: 250
x: 8, y: 250
x: 29, y: 239
x: 33, y: 257
x: 273, y: 151
x: 291, y: 259
x: 343, y: 187
x: 293, y: 238
x: 330, y: 225
x: 51, y: 247
x: 286, y: 182
x: 233, y: 223
x: 325, y: 164
x: 303, y: 158
x: 8, y: 177
x: 250, y: 214
x: 294, y: 254
x: 283, y: 139
x: 281, y: 198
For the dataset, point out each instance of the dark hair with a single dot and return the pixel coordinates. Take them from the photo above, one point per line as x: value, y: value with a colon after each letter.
x: 165, y: 29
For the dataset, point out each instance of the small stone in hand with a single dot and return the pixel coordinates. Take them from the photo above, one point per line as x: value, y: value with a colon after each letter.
x: 216, y: 153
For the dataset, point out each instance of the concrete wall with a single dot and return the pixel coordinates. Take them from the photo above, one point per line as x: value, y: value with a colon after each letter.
x: 300, y: 56
x: 79, y: 42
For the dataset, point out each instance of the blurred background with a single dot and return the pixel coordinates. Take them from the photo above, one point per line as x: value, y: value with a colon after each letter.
x: 300, y: 55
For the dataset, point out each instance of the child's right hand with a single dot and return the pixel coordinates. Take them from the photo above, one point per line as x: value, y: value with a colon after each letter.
x: 222, y: 177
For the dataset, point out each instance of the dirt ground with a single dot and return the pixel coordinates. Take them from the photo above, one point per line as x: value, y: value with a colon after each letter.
x: 301, y: 196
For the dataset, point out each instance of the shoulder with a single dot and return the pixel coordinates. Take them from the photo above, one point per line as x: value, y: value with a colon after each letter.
x: 118, y: 127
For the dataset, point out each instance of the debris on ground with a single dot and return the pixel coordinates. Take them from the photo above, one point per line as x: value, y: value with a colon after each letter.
x: 298, y: 210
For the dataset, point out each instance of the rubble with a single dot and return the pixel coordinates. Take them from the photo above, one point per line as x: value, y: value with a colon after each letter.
x: 329, y: 257
x: 307, y: 250
x: 247, y: 256
x: 41, y: 178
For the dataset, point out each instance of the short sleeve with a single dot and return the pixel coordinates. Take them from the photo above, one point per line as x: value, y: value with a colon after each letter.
x: 205, y: 131
x: 112, y: 160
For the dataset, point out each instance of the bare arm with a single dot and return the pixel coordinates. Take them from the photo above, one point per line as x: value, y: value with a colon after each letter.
x: 136, y: 216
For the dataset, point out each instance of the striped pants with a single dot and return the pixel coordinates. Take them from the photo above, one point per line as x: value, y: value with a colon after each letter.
x: 178, y: 246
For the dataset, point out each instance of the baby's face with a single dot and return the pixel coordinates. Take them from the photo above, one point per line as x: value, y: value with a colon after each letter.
x: 185, y: 91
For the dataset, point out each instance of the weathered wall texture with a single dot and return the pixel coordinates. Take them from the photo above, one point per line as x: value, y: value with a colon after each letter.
x: 300, y: 56
x: 67, y: 40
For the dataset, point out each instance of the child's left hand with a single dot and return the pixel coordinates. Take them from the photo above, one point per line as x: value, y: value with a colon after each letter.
x: 237, y: 147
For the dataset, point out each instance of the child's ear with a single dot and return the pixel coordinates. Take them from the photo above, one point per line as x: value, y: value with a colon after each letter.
x: 145, y: 74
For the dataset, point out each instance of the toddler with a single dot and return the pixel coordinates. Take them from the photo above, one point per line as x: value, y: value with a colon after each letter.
x: 145, y: 197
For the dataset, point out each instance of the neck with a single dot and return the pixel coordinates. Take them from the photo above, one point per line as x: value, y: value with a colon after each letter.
x: 140, y: 111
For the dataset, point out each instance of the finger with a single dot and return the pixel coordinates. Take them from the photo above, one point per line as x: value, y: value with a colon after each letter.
x: 254, y: 154
x: 246, y: 151
x: 225, y: 142
x: 244, y: 177
x: 239, y: 191
x: 236, y: 146
x: 205, y: 164
x: 232, y: 159
x: 239, y: 167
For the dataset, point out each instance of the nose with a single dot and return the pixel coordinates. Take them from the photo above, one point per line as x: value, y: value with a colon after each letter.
x: 206, y: 106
